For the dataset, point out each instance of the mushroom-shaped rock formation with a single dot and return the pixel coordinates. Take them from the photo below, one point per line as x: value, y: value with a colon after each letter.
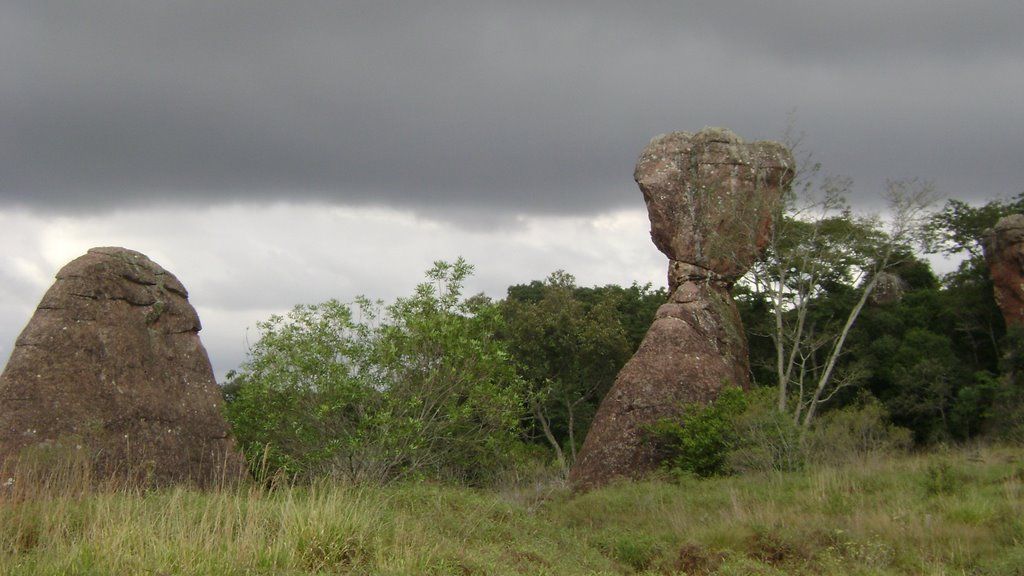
x: 710, y: 198
x: 110, y: 367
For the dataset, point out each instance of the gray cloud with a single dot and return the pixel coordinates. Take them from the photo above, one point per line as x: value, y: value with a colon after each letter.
x: 231, y: 139
x: 471, y: 108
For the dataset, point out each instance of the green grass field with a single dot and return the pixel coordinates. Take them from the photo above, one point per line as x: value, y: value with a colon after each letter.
x: 955, y: 512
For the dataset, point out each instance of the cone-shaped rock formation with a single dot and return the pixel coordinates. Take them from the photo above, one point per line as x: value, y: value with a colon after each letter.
x: 111, y: 368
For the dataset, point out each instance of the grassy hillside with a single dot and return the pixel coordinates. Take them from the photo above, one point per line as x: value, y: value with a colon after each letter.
x: 957, y: 512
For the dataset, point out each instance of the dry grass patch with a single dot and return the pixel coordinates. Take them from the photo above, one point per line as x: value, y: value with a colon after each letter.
x: 887, y: 516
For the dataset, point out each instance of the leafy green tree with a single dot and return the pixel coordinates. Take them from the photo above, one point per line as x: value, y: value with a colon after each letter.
x: 984, y: 403
x: 822, y: 266
x: 419, y: 388
x: 634, y: 306
x: 925, y: 375
x: 956, y: 231
x: 298, y: 404
x: 919, y: 369
x: 931, y: 357
x: 453, y: 401
x: 569, y: 344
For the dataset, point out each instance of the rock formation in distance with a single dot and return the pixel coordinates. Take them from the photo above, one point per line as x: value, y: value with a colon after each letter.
x: 1003, y: 245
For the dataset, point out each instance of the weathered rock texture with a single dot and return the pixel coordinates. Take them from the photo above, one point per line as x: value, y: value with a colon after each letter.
x: 890, y: 289
x: 110, y: 367
x: 1004, y: 251
x: 710, y: 198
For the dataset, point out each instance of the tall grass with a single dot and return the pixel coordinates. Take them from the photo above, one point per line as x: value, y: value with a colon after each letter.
x: 955, y: 512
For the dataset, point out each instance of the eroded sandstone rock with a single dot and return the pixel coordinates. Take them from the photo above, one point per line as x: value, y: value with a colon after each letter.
x: 111, y: 365
x: 710, y: 198
x: 1004, y: 251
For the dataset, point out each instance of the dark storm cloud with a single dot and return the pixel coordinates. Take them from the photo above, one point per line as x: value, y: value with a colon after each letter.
x: 517, y: 107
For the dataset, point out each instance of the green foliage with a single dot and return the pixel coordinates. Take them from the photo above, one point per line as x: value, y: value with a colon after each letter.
x: 299, y: 405
x: 809, y: 290
x: 957, y: 230
x: 959, y: 226
x: 569, y: 343
x: 699, y: 442
x: 924, y: 374
x: 934, y: 354
x: 938, y: 358
x: 821, y: 265
x: 744, y: 432
x: 765, y: 439
x: 854, y: 432
x: 453, y: 400
x: 435, y: 384
x: 941, y: 477
x: 633, y: 307
x: 420, y: 388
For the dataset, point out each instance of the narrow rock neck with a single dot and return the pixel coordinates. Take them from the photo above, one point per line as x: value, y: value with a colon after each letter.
x: 686, y: 281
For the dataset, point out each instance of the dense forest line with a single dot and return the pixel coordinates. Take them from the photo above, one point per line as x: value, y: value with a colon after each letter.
x: 471, y: 389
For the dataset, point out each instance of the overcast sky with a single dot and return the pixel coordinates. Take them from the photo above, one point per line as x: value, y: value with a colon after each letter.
x: 270, y: 153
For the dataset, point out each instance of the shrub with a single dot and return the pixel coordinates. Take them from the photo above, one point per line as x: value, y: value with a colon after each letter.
x: 942, y: 478
x: 417, y: 389
x: 766, y: 440
x: 699, y: 442
x: 743, y: 432
x: 856, y: 431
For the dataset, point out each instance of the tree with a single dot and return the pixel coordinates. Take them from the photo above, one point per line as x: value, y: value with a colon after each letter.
x: 924, y: 377
x: 956, y: 231
x: 419, y: 388
x: 990, y: 402
x: 569, y: 344
x: 454, y: 400
x: 821, y: 267
x: 634, y: 306
x: 298, y: 405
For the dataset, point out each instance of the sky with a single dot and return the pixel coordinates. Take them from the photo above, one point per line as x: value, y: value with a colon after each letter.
x: 272, y: 153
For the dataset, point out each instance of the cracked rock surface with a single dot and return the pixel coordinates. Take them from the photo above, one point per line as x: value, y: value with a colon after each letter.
x: 710, y: 198
x: 111, y: 367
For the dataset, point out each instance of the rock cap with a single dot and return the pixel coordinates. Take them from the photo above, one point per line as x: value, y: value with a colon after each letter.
x: 710, y: 196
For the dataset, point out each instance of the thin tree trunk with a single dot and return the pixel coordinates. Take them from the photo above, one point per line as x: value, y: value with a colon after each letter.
x: 837, y: 349
x: 780, y: 344
x: 571, y: 408
x: 545, y: 426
